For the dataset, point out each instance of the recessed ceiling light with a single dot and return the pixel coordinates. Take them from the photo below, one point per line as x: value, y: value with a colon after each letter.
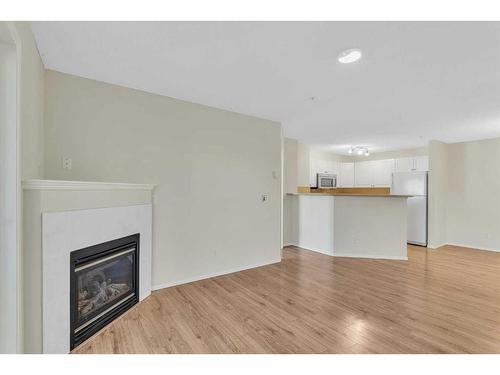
x: 349, y: 56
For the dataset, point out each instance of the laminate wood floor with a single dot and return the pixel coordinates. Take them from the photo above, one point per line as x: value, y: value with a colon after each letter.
x: 439, y: 301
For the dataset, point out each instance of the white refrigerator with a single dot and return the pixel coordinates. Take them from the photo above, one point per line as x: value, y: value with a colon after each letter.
x: 415, y: 184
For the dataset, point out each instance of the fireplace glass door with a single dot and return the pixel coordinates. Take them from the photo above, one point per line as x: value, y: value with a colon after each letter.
x: 104, y: 285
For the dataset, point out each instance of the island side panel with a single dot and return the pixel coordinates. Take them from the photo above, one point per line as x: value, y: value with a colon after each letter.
x: 290, y: 220
x: 315, y: 223
x: 370, y: 227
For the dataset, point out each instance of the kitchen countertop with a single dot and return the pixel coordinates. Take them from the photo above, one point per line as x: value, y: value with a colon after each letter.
x: 353, y: 195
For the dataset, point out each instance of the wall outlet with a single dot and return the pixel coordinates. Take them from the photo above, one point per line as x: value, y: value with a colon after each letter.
x: 66, y: 163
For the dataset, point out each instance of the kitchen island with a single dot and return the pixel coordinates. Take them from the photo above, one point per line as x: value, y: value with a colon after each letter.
x: 347, y: 225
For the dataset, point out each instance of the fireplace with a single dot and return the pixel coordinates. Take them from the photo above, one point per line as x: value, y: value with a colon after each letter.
x: 104, y: 284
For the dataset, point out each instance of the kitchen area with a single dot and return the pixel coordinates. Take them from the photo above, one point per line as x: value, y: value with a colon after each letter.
x: 361, y: 205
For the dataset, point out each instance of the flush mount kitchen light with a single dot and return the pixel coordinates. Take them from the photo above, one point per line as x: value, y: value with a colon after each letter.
x: 360, y: 150
x: 349, y: 56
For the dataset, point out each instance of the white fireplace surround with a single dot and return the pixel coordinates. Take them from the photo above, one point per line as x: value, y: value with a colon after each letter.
x: 64, y: 232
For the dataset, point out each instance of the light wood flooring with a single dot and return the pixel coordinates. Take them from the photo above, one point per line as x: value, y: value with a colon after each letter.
x: 439, y: 301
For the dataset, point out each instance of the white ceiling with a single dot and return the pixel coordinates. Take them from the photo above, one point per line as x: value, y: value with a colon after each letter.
x: 416, y: 81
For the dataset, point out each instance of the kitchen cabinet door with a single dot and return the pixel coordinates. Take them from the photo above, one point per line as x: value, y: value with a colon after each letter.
x: 403, y: 164
x: 346, y: 175
x: 416, y: 163
x: 382, y: 172
x: 334, y: 167
x: 363, y: 173
x: 312, y: 172
x: 421, y: 163
x: 326, y: 166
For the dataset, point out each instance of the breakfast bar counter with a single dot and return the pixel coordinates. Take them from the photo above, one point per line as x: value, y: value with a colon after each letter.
x: 347, y: 225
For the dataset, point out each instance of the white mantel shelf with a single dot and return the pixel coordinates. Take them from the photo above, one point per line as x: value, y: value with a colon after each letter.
x: 82, y: 185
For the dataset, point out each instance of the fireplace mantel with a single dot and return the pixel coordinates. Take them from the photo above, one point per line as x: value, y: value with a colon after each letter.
x: 82, y: 185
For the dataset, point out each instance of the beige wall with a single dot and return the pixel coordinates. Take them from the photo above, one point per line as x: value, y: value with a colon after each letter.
x: 211, y: 167
x: 437, y: 193
x: 296, y: 164
x: 303, y: 164
x: 31, y: 78
x: 473, y: 194
x: 325, y: 155
x: 464, y: 194
x: 290, y: 165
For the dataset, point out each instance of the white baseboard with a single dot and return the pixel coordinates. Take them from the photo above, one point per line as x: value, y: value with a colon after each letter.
x: 208, y: 276
x: 321, y: 251
x: 369, y: 256
x: 469, y: 246
x: 474, y: 247
x: 310, y: 248
x: 349, y: 255
x: 435, y: 245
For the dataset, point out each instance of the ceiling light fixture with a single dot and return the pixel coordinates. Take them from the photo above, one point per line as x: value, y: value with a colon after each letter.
x: 349, y: 56
x: 360, y: 150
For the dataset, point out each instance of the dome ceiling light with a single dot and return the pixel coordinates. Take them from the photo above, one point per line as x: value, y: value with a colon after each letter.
x: 349, y: 56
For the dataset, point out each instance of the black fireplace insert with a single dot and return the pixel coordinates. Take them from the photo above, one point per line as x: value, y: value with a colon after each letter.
x: 104, y: 284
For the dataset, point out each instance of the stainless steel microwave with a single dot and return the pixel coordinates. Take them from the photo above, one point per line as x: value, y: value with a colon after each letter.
x: 326, y: 181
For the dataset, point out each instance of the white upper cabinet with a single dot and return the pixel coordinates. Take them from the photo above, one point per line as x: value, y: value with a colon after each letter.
x: 346, y: 175
x: 369, y: 173
x: 327, y: 166
x: 374, y: 173
x: 417, y: 163
x: 382, y: 172
x: 403, y: 164
x: 421, y: 163
x: 363, y: 173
